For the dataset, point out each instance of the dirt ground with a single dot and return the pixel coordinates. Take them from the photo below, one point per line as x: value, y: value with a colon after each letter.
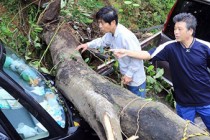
x: 2, y: 9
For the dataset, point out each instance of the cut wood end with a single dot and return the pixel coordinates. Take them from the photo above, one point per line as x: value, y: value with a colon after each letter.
x: 133, y: 138
x: 108, y: 127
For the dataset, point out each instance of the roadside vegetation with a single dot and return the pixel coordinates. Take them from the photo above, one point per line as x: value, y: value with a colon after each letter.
x: 20, y: 31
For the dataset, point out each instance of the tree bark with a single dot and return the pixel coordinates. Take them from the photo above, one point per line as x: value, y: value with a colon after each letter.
x: 109, y: 108
x: 39, y: 2
x: 51, y: 12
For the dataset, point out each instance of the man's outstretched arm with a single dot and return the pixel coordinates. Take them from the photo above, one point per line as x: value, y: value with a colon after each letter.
x: 143, y: 55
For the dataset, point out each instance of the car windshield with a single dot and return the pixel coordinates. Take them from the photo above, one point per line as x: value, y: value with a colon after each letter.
x: 35, y: 85
x: 202, y: 13
x: 26, y: 125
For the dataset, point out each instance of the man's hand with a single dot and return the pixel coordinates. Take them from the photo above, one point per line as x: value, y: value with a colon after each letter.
x: 126, y: 79
x: 83, y: 47
x: 119, y: 52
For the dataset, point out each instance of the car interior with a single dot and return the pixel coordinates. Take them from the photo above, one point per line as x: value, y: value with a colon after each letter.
x: 27, y: 126
x: 34, y: 84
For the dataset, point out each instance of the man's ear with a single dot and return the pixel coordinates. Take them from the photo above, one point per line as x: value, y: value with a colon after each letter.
x: 113, y: 22
x: 191, y: 31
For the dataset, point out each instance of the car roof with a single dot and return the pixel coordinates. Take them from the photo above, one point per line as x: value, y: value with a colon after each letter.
x: 205, y: 1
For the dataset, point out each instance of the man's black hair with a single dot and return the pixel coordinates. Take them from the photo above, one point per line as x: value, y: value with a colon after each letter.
x: 107, y: 14
x: 188, y: 18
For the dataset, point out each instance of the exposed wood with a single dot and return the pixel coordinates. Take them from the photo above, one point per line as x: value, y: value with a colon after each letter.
x: 95, y: 97
x: 108, y: 127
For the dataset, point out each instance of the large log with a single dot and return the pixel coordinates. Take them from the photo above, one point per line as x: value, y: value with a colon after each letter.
x: 109, y: 108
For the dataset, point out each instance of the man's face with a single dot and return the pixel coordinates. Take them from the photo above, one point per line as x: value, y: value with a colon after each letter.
x: 181, y: 32
x: 105, y: 27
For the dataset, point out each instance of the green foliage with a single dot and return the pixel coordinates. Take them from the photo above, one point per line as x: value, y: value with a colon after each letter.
x: 128, y: 12
x: 117, y: 72
x: 155, y: 83
x: 153, y: 12
x: 34, y: 41
x: 91, y: 5
x: 170, y: 99
x: 81, y: 11
x: 143, y: 14
x: 11, y: 5
x: 153, y: 77
x: 11, y: 36
x: 135, y: 14
x: 15, y: 33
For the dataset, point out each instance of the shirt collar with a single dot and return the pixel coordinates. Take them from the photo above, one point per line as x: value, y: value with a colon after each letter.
x: 116, y: 33
x: 190, y: 44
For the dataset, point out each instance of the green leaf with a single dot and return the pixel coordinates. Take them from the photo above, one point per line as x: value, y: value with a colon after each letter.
x: 150, y: 68
x: 37, y: 45
x: 116, y: 64
x: 87, y: 60
x: 38, y: 29
x: 34, y: 64
x: 150, y: 80
x: 148, y: 99
x: 87, y: 20
x: 120, y: 10
x: 157, y: 88
x: 127, y: 2
x: 27, y: 57
x: 5, y: 30
x: 63, y: 3
x: 136, y: 5
x: 43, y: 69
x: 87, y: 14
x: 159, y: 73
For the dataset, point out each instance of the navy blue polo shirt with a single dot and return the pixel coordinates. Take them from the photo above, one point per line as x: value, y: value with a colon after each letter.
x: 190, y: 76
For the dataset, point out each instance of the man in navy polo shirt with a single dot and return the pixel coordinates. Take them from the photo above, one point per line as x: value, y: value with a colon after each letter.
x: 188, y: 59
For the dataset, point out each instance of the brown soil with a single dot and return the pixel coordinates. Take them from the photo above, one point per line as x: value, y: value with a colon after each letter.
x: 2, y: 9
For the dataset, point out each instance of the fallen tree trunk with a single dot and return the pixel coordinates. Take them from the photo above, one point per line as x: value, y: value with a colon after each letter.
x: 108, y: 108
